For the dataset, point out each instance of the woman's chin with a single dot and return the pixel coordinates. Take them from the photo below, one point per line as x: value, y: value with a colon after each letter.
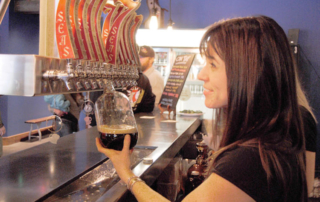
x: 213, y: 105
x: 209, y: 105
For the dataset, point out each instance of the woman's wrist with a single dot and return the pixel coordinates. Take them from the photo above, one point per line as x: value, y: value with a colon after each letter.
x: 132, y: 181
x: 125, y: 175
x: 129, y: 180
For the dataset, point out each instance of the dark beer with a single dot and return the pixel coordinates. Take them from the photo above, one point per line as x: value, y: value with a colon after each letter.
x: 112, y: 136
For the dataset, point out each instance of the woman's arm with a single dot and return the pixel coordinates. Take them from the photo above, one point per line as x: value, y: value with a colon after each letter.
x: 217, y: 189
x: 121, y: 162
x: 144, y: 193
x: 310, y: 169
x: 214, y: 189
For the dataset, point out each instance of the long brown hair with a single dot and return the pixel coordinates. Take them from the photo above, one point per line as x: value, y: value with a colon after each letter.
x: 262, y: 98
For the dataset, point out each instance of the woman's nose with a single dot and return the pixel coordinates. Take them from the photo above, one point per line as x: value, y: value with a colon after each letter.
x: 202, y: 75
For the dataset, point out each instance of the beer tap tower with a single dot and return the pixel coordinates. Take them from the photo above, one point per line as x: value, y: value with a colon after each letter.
x: 89, y: 55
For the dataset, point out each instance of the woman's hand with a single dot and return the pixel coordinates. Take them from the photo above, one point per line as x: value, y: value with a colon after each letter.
x: 120, y: 159
x: 88, y: 120
x: 2, y: 131
x: 58, y: 112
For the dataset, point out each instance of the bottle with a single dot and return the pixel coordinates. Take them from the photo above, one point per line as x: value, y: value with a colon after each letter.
x: 202, y: 149
x: 115, y: 118
x: 193, y: 181
x: 201, y: 160
x: 202, y: 154
x: 197, y: 169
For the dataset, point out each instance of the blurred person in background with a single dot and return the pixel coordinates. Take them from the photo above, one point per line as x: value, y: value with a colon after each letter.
x: 147, y: 55
x: 68, y: 108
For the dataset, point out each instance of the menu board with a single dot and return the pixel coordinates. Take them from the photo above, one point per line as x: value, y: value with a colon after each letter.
x: 176, y: 80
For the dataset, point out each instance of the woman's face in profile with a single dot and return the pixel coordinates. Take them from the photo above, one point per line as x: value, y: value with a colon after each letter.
x: 215, y: 81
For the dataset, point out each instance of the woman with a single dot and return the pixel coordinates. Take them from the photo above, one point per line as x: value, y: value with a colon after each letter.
x: 67, y: 107
x: 250, y: 78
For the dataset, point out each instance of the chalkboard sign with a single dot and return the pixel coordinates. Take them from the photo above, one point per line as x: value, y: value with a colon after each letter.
x: 176, y: 80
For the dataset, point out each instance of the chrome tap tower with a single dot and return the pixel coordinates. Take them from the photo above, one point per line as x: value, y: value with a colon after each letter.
x: 89, y: 54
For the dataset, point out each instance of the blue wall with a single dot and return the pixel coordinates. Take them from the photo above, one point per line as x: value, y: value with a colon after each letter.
x: 4, y: 34
x: 187, y: 14
x: 23, y: 39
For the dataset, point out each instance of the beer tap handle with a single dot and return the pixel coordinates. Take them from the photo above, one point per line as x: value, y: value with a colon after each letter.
x: 79, y: 69
x: 87, y: 85
x: 94, y: 84
x: 69, y: 84
x: 96, y: 70
x: 66, y: 76
x: 89, y: 69
x: 78, y: 73
x: 113, y: 38
x: 64, y: 36
x: 103, y: 73
x: 85, y: 75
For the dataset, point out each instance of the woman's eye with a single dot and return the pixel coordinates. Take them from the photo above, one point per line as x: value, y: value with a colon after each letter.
x: 212, y: 65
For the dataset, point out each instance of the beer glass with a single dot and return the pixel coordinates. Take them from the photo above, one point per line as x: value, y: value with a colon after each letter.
x: 115, y: 119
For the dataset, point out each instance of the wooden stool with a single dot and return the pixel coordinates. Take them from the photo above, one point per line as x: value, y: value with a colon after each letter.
x: 38, y: 123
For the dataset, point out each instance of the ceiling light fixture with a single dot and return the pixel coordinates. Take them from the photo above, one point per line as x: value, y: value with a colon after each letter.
x: 170, y: 20
x: 154, y: 20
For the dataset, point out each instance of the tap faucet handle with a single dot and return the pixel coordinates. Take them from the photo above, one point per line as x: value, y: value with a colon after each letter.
x: 69, y: 84
x: 100, y: 83
x: 89, y: 69
x: 50, y: 74
x: 70, y: 69
x: 103, y: 69
x: 78, y: 85
x: 86, y: 84
x: 96, y: 70
x: 109, y: 71
x: 79, y: 69
x: 94, y: 84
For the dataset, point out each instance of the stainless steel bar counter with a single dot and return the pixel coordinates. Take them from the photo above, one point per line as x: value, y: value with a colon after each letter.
x: 33, y: 173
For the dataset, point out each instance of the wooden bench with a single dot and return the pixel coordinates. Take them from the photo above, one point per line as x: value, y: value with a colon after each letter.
x: 38, y: 123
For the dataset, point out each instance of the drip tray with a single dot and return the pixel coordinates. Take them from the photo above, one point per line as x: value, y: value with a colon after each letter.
x: 92, y: 185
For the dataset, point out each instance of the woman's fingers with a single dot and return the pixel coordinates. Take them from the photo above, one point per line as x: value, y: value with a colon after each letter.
x: 110, y: 152
x: 126, y: 143
x: 100, y: 147
x: 98, y: 144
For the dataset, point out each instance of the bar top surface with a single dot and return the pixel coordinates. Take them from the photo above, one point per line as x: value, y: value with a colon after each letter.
x: 30, y: 174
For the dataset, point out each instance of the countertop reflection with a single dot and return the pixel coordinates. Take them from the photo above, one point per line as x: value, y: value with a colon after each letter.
x: 30, y: 174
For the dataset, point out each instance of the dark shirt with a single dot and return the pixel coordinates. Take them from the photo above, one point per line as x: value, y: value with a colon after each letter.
x: 310, y: 129
x: 141, y: 97
x: 243, y: 168
x: 72, y: 121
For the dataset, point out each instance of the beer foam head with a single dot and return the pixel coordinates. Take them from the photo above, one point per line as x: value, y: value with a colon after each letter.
x: 117, y: 129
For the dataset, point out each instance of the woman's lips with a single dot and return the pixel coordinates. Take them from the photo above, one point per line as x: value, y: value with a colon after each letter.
x: 206, y: 91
